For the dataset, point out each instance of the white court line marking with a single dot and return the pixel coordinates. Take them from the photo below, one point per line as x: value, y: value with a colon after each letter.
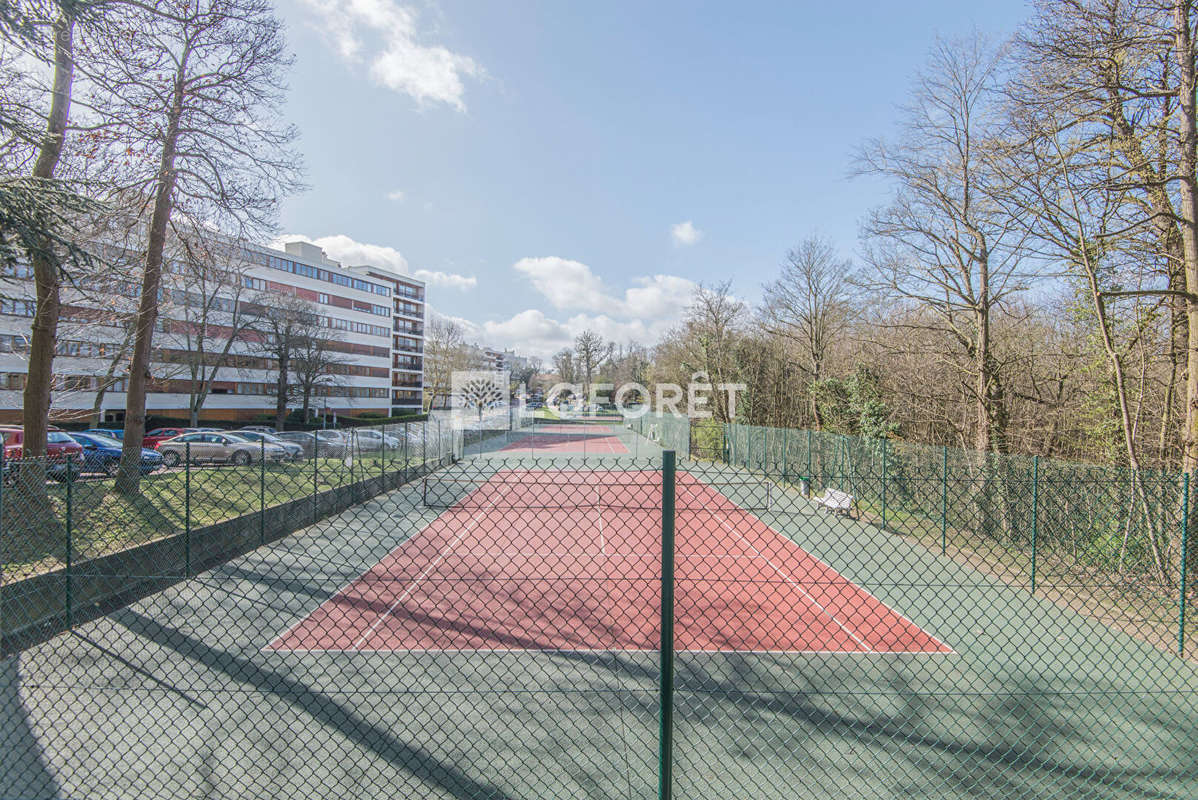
x: 352, y: 581
x: 421, y: 576
x: 799, y: 586
x: 788, y: 541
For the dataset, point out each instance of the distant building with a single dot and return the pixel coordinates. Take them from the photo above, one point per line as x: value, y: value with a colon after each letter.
x: 375, y: 320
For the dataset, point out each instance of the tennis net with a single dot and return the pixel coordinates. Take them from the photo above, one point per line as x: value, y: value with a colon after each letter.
x: 633, y: 495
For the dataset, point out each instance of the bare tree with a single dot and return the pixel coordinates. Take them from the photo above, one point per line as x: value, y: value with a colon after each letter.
x: 809, y: 305
x: 207, y: 286
x: 202, y: 81
x: 710, y: 333
x: 943, y: 243
x: 43, y: 255
x: 590, y: 351
x: 286, y: 327
x: 315, y: 363
x: 445, y: 352
x: 564, y: 366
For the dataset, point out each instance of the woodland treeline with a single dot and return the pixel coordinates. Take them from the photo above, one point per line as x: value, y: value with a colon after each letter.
x: 1030, y: 284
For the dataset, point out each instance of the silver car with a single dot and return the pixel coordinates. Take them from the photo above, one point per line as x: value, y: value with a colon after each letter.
x: 367, y: 439
x: 217, y: 448
x: 294, y: 450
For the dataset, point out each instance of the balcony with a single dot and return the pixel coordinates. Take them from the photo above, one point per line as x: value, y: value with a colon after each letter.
x: 408, y: 329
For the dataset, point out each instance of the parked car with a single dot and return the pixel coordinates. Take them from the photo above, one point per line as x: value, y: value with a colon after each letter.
x: 331, y: 444
x: 103, y: 454
x: 368, y: 439
x: 294, y: 451
x: 61, y: 451
x: 158, y: 435
x: 305, y: 439
x: 217, y: 448
x: 111, y: 433
x: 259, y: 428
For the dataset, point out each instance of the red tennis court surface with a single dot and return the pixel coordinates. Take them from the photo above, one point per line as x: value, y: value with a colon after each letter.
x: 490, y: 575
x: 589, y: 439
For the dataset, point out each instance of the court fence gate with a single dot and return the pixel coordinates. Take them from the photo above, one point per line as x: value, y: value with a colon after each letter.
x: 659, y: 626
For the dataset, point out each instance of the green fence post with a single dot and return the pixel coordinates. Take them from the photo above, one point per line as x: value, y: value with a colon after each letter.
x: 424, y: 448
x: 785, y: 450
x: 187, y: 509
x: 749, y: 450
x: 765, y: 453
x: 809, y: 476
x: 262, y: 491
x: 885, y: 480
x: 315, y: 477
x: 1185, y: 536
x: 405, y: 452
x: 1035, y: 514
x: 70, y: 547
x: 665, y: 745
x: 944, y: 501
x: 383, y: 458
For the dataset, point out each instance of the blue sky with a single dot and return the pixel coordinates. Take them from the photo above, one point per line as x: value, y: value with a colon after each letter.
x: 550, y: 166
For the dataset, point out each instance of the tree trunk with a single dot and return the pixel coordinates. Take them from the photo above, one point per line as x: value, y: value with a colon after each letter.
x: 1187, y: 189
x: 981, y: 360
x: 128, y: 481
x: 281, y: 392
x: 40, y: 376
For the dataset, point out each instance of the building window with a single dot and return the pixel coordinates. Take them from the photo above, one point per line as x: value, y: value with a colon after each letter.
x: 22, y: 308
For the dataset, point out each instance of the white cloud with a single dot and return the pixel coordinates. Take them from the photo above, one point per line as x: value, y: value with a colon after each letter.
x: 659, y: 296
x: 470, y: 329
x: 530, y: 332
x: 340, y: 247
x: 395, y: 195
x: 572, y: 285
x: 643, y: 313
x: 565, y: 283
x: 383, y: 34
x: 533, y: 333
x: 685, y: 234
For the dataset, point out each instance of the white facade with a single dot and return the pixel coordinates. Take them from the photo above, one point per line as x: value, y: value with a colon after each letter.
x: 375, y: 320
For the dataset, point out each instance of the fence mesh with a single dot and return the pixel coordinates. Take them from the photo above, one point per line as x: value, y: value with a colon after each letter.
x: 779, y: 615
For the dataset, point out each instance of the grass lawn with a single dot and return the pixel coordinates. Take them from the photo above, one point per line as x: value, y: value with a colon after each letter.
x: 102, y: 521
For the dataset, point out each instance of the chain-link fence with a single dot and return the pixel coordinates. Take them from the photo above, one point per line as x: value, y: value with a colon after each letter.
x: 1109, y: 541
x: 511, y: 625
x: 203, y: 497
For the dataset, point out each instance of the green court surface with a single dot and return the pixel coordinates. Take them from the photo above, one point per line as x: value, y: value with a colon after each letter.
x: 178, y: 695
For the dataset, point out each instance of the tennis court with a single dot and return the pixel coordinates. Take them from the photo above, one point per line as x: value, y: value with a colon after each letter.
x: 494, y: 632
x: 745, y: 587
x: 568, y: 440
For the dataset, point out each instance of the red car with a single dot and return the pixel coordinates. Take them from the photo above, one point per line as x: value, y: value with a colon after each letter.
x: 61, y: 449
x: 154, y: 437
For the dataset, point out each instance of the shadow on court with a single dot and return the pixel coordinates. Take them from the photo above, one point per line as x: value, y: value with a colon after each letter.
x: 24, y: 772
x: 175, y: 697
x: 320, y: 707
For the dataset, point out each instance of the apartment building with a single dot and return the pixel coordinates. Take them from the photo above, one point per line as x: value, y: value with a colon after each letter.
x: 375, y: 336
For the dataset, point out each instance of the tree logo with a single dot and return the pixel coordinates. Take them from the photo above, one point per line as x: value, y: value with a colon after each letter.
x: 479, y: 399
